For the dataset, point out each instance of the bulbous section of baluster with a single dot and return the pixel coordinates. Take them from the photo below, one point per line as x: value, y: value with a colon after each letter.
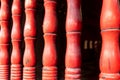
x: 110, y: 47
x: 29, y: 54
x: 16, y: 60
x: 50, y: 19
x: 49, y: 50
x: 5, y: 11
x: 16, y: 7
x: 4, y: 62
x: 109, y: 14
x: 30, y: 24
x: 4, y: 54
x: 4, y: 33
x: 73, y: 19
x: 49, y: 71
x: 29, y: 59
x: 16, y: 53
x: 110, y: 57
x: 73, y: 56
x: 16, y: 33
x: 30, y: 4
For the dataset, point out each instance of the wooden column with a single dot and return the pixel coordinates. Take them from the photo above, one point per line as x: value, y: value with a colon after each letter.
x: 110, y: 55
x: 16, y: 36
x: 73, y: 51
x: 49, y: 71
x: 4, y: 40
x: 29, y: 58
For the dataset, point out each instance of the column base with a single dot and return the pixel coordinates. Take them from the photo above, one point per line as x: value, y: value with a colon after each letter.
x: 29, y: 73
x: 108, y: 76
x: 4, y: 72
x: 16, y: 72
x: 49, y: 73
x: 73, y: 74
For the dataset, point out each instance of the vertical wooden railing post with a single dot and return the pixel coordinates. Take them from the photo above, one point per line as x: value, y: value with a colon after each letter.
x: 73, y: 51
x: 4, y: 40
x: 29, y: 58
x: 49, y: 71
x: 110, y: 56
x: 16, y: 36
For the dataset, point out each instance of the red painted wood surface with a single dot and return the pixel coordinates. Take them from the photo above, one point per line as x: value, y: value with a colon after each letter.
x: 4, y: 40
x: 73, y: 51
x: 29, y: 58
x: 49, y: 71
x: 109, y: 14
x: 16, y: 36
x: 110, y: 57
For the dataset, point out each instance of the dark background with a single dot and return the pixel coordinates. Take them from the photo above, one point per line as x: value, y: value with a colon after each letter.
x: 90, y: 33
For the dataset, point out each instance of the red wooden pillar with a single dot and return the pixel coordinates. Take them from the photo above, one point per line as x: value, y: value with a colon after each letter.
x: 49, y: 71
x: 110, y: 56
x: 4, y: 40
x: 16, y: 36
x: 29, y: 58
x: 73, y: 51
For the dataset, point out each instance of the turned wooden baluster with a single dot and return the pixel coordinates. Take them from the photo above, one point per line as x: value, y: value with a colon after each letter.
x: 110, y: 57
x: 73, y: 51
x: 49, y: 71
x: 4, y: 40
x: 29, y: 58
x: 16, y: 35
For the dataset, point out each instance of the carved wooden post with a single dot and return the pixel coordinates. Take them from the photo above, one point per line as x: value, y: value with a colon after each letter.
x: 49, y: 71
x: 110, y: 57
x: 73, y: 52
x: 16, y: 35
x: 29, y: 58
x: 4, y: 40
